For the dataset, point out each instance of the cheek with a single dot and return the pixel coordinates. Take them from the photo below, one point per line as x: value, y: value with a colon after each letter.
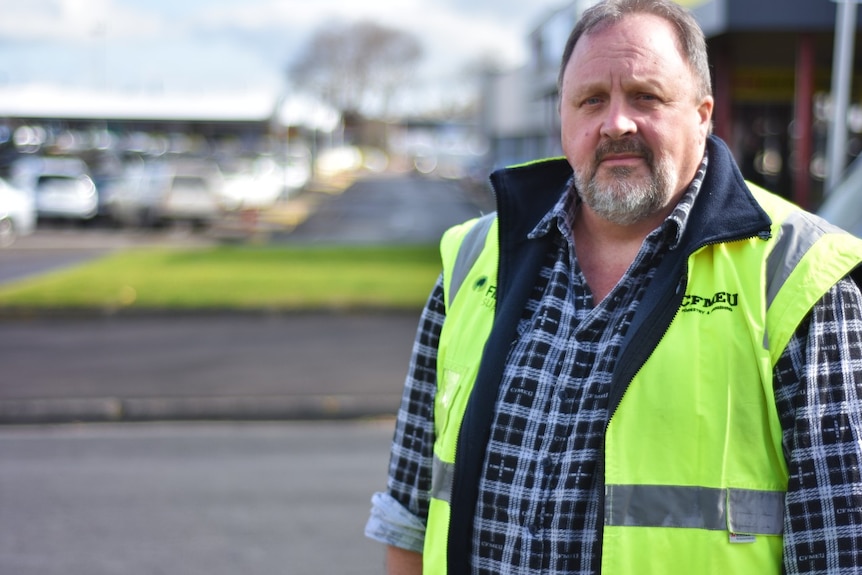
x: 680, y: 150
x: 578, y: 141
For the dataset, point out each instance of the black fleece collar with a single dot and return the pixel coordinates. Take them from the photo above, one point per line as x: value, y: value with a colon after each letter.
x: 725, y: 208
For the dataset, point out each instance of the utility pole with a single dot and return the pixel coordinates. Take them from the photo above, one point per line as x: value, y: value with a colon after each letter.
x: 842, y: 71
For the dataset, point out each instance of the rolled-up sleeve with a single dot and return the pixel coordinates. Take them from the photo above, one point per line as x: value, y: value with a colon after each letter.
x: 392, y: 524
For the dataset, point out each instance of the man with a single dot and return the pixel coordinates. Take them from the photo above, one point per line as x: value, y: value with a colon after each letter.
x: 640, y: 363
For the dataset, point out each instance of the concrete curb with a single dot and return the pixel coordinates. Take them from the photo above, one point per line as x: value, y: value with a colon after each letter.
x: 112, y: 409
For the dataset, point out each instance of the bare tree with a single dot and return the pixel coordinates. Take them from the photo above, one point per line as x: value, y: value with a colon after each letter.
x: 352, y: 66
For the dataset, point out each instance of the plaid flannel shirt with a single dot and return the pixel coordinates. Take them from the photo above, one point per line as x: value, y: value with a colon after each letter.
x: 537, y: 510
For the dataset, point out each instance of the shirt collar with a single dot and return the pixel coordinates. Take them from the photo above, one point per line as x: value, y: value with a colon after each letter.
x: 561, y: 215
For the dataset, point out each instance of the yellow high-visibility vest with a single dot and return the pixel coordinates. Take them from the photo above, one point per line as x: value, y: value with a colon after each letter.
x: 694, y: 470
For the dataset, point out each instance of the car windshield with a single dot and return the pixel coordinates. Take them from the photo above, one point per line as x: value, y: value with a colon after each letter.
x: 190, y: 183
x: 57, y: 182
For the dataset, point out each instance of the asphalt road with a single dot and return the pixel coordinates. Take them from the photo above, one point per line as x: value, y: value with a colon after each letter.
x: 169, y: 489
x: 390, y: 209
x: 214, y: 366
x: 285, y: 498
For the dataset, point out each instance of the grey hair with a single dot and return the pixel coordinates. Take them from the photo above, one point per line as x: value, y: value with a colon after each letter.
x: 689, y: 34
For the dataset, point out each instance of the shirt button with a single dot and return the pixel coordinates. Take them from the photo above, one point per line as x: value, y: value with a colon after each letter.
x: 533, y: 529
x: 547, y: 464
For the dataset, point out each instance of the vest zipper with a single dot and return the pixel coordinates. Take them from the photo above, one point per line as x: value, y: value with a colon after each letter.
x: 615, y: 397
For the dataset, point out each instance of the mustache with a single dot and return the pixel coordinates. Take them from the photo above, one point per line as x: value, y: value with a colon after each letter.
x: 625, y: 146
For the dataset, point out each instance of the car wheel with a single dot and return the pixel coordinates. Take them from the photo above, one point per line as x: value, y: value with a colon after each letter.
x: 7, y: 232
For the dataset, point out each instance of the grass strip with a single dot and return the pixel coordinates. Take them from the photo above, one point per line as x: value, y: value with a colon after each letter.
x: 236, y: 277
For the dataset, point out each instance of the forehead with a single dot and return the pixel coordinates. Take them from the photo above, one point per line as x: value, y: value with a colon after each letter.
x: 639, y: 44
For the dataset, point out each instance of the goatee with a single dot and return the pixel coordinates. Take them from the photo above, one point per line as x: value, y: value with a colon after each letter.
x: 625, y: 199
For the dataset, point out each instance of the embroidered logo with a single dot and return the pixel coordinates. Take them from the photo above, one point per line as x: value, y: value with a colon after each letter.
x: 723, y: 301
x: 488, y: 289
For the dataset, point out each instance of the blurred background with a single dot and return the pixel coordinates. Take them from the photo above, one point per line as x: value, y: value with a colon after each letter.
x: 140, y: 113
x: 145, y: 112
x: 225, y: 441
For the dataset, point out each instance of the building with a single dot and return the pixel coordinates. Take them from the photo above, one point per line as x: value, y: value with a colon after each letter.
x: 772, y: 65
x: 103, y: 125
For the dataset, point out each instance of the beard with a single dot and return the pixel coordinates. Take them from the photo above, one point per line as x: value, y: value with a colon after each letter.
x: 625, y: 198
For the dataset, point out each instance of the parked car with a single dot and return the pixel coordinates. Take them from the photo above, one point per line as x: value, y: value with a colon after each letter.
x: 253, y: 184
x: 260, y: 181
x: 17, y: 213
x: 61, y: 187
x: 160, y: 192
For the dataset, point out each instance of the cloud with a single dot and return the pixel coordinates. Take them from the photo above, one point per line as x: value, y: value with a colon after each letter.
x: 75, y: 21
x: 236, y: 44
x: 451, y: 34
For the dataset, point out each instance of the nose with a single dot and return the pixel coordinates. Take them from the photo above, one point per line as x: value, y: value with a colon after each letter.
x: 618, y: 121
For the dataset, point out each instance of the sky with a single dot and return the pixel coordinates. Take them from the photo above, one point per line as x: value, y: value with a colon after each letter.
x: 238, y: 46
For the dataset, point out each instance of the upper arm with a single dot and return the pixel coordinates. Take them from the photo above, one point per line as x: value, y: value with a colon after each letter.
x: 818, y: 384
x: 413, y: 442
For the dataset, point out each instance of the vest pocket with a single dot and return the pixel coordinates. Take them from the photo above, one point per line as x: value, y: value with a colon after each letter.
x: 449, y: 389
x: 755, y: 512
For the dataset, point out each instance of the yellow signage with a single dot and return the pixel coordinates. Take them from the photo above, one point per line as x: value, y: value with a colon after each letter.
x: 751, y: 84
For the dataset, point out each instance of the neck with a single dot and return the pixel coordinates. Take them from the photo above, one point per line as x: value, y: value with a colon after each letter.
x: 605, y: 250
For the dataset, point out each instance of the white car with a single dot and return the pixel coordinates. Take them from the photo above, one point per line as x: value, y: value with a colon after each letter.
x: 17, y: 214
x: 61, y: 187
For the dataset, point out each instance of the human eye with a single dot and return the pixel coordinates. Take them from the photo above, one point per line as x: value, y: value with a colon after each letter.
x: 648, y: 98
x: 591, y: 101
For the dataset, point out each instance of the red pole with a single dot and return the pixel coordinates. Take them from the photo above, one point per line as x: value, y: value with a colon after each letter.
x: 723, y: 118
x: 802, y: 136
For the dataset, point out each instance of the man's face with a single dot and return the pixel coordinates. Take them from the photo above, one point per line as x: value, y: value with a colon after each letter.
x: 633, y: 126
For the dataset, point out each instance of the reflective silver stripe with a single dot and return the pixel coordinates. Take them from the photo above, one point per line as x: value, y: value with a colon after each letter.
x: 471, y: 246
x: 735, y: 510
x: 797, y: 234
x: 442, y: 475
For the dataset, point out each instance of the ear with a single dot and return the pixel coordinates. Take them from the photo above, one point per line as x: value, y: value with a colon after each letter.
x: 704, y: 112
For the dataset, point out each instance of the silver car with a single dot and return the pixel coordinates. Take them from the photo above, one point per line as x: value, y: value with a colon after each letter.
x: 162, y: 192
